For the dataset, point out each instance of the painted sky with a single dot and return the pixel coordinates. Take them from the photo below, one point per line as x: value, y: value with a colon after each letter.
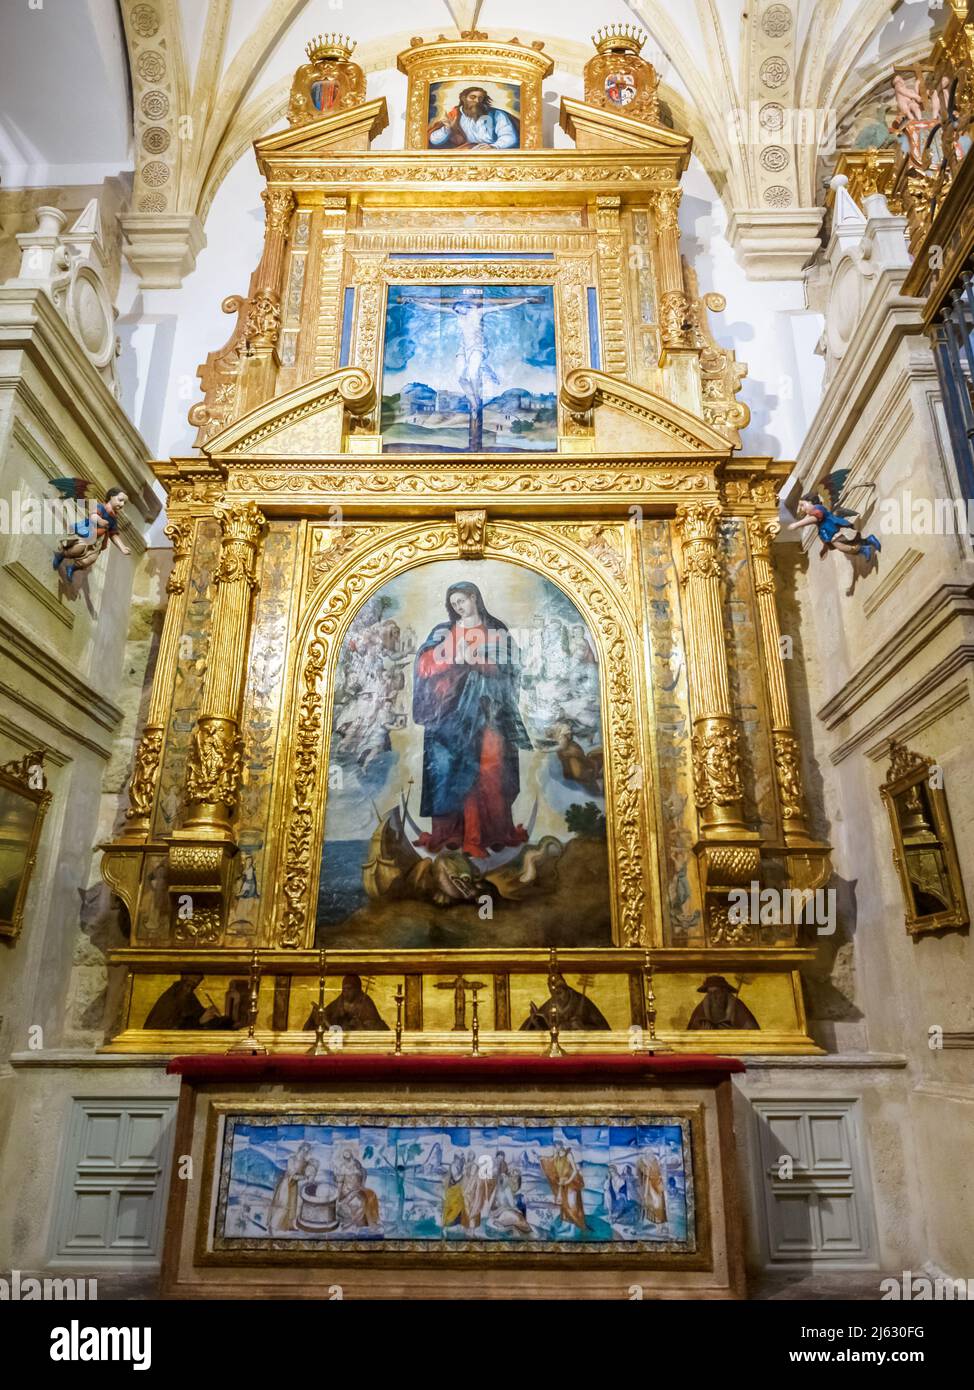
x: 422, y: 346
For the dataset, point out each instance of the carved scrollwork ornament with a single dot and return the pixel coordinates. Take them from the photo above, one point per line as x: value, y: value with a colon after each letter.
x: 787, y: 755
x: 471, y: 533
x: 143, y: 782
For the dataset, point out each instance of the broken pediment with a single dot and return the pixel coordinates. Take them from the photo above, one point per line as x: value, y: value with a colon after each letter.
x: 311, y: 419
x: 341, y: 131
x: 628, y: 418
x: 593, y: 128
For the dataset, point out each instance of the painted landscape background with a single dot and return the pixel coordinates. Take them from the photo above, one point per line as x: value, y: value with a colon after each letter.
x: 419, y: 1179
x: 469, y: 368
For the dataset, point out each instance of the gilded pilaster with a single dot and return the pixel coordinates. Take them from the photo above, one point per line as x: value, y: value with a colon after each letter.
x: 679, y: 328
x: 215, y: 756
x: 326, y: 314
x: 611, y: 287
x: 145, y: 772
x: 762, y: 532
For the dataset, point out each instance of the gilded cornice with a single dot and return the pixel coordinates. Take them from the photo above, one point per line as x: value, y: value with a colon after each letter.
x: 518, y: 173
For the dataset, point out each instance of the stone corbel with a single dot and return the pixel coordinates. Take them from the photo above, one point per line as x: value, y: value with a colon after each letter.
x: 162, y: 247
x: 775, y: 244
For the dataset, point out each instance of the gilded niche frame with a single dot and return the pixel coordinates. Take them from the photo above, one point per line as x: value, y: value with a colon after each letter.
x: 569, y: 276
x: 924, y: 848
x: 614, y: 622
x: 474, y: 58
x: 24, y: 799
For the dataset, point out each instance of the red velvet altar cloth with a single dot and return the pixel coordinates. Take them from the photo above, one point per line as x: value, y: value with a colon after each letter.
x: 371, y: 1066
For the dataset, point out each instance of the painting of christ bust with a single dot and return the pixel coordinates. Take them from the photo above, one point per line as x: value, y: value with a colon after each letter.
x: 469, y: 115
x: 469, y: 368
x: 466, y: 802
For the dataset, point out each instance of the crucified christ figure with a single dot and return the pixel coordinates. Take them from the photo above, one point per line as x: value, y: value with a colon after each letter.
x: 472, y: 364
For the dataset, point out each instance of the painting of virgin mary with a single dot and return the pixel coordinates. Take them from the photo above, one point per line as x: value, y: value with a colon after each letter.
x: 466, y: 791
x: 465, y: 696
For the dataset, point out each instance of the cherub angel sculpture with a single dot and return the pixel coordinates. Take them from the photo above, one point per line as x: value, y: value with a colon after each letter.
x: 89, y: 536
x: 831, y: 520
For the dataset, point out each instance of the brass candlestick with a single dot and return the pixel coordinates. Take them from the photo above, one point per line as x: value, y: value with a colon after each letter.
x: 249, y: 1046
x: 319, y: 1048
x: 475, y: 1020
x: 555, y: 1048
x: 649, y: 995
x: 400, y: 1000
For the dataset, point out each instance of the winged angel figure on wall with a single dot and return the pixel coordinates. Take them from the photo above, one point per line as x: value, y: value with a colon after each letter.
x: 832, y: 519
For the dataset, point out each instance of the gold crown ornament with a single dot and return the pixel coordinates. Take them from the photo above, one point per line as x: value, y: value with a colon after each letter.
x: 335, y: 46
x: 619, y: 38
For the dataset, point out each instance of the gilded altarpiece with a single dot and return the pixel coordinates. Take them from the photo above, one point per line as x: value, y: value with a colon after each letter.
x: 330, y: 761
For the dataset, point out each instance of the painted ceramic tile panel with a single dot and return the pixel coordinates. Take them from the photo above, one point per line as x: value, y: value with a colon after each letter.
x: 303, y: 1181
x: 466, y: 798
x: 467, y: 114
x: 469, y: 367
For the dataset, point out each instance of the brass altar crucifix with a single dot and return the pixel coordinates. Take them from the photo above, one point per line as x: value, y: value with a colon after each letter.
x: 460, y: 987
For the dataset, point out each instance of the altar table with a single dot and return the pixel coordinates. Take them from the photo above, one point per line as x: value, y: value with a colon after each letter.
x: 371, y: 1176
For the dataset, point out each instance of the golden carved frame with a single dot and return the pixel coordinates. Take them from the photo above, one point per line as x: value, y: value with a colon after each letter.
x: 568, y: 275
x: 474, y: 57
x: 630, y: 811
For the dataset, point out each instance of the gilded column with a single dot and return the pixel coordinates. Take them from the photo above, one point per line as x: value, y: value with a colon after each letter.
x: 787, y: 755
x: 215, y: 756
x: 675, y: 314
x: 679, y: 329
x: 145, y: 773
x: 718, y: 786
x: 262, y: 329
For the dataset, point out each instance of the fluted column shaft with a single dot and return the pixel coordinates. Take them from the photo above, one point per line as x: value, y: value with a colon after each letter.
x: 787, y: 754
x: 262, y: 328
x: 216, y: 751
x: 718, y: 787
x: 145, y: 772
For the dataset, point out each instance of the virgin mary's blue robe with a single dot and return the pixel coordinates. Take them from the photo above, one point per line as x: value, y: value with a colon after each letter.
x: 456, y: 704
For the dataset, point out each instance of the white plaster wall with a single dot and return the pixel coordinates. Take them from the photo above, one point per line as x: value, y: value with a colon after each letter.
x: 766, y: 322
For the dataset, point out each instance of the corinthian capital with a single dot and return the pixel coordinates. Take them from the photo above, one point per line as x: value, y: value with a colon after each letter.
x: 665, y: 203
x: 698, y: 521
x: 279, y: 204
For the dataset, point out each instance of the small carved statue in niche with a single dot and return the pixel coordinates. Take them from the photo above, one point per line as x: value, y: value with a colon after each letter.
x: 720, y: 1007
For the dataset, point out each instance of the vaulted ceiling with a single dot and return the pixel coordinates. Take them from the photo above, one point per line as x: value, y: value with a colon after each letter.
x: 180, y: 88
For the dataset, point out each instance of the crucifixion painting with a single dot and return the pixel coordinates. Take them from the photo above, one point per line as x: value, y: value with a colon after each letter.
x: 469, y: 368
